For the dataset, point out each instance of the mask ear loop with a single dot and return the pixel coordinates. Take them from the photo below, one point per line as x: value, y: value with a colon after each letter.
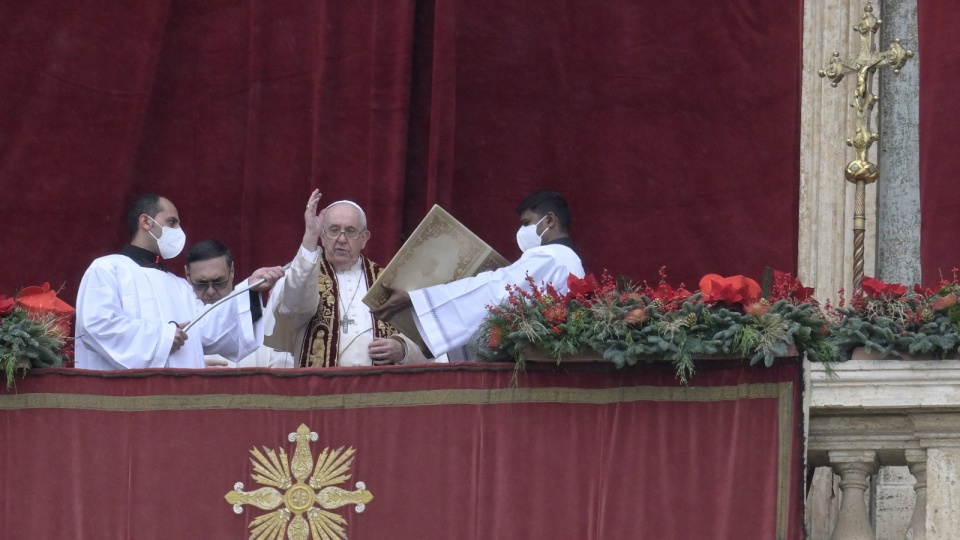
x: 150, y: 230
x: 538, y: 224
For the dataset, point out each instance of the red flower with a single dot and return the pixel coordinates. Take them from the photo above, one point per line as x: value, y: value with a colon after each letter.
x: 582, y: 287
x: 6, y: 305
x: 876, y: 288
x: 785, y: 286
x: 731, y: 290
x: 665, y: 296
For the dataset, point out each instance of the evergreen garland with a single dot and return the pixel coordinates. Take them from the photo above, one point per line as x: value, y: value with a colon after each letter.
x: 626, y: 324
x: 27, y: 342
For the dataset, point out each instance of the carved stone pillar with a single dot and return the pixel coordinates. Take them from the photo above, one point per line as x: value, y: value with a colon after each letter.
x: 917, y: 461
x: 943, y: 493
x: 854, y: 468
x: 825, y: 256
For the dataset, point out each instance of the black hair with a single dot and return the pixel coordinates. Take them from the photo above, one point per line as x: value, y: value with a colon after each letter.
x: 209, y: 249
x: 543, y: 202
x: 149, y: 204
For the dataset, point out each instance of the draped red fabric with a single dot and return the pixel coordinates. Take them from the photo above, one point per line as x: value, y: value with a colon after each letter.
x: 447, y: 452
x: 671, y: 127
x: 939, y: 57
x: 235, y: 110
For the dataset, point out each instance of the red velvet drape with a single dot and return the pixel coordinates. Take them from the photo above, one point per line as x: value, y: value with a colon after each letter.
x: 671, y: 127
x: 939, y: 59
x: 447, y: 452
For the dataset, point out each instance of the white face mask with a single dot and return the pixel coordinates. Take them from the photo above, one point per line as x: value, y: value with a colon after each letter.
x: 171, y: 240
x: 527, y: 236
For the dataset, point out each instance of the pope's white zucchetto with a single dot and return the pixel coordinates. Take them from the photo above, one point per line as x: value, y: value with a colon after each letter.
x: 363, y: 215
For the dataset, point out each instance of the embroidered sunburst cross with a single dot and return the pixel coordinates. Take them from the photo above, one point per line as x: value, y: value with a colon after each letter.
x: 298, y: 499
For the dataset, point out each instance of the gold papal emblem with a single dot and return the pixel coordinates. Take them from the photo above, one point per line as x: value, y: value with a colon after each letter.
x: 299, y: 492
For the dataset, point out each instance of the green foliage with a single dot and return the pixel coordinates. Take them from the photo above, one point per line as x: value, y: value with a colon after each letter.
x: 918, y: 322
x: 26, y: 342
x: 626, y: 327
x: 626, y: 324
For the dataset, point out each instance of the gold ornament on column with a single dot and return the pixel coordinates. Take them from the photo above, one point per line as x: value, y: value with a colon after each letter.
x: 861, y: 171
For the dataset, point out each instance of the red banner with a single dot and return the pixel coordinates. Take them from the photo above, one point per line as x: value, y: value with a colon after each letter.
x: 440, y: 452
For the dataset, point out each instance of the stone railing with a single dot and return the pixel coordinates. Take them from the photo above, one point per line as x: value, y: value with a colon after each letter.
x: 869, y: 414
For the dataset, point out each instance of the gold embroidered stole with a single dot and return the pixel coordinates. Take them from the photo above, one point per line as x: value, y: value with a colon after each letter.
x: 321, y: 342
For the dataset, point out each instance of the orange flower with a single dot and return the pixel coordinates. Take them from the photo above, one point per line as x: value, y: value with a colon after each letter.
x: 944, y: 302
x: 495, y: 337
x: 636, y: 316
x: 555, y: 314
x: 756, y: 309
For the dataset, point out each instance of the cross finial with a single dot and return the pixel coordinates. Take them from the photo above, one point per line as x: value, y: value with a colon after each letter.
x: 861, y: 171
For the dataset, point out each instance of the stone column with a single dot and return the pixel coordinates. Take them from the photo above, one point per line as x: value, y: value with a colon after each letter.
x: 917, y: 460
x: 822, y: 504
x: 825, y: 256
x: 898, y: 190
x: 943, y: 493
x: 854, y: 468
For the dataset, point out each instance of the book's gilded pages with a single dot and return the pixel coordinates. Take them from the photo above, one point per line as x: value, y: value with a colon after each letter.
x: 440, y: 250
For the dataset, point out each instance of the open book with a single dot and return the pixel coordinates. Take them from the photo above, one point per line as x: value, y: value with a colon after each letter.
x: 440, y: 250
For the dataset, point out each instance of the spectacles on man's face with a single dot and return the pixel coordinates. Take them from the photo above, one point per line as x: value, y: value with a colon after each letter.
x: 202, y: 286
x: 334, y: 232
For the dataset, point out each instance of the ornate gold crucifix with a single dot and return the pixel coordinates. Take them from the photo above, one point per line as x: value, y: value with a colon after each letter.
x: 861, y: 171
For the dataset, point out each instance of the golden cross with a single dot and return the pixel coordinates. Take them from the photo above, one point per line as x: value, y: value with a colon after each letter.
x: 861, y: 171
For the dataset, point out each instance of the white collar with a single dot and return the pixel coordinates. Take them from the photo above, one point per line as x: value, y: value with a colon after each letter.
x: 357, y: 267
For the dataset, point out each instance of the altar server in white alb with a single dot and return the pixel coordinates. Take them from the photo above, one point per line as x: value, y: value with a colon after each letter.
x: 131, y: 312
x: 209, y: 270
x: 448, y: 315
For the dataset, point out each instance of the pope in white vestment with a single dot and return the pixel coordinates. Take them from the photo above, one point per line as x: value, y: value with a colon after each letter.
x: 316, y: 312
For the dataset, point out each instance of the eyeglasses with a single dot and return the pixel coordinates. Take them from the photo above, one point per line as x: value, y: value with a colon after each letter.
x: 202, y: 286
x: 334, y: 233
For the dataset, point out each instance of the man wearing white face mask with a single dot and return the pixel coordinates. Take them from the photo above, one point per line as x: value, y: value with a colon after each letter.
x: 448, y: 315
x: 131, y: 312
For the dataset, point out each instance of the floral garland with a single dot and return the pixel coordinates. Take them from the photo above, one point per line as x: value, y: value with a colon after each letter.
x: 896, y: 320
x: 728, y: 316
x: 626, y: 323
x: 30, y: 339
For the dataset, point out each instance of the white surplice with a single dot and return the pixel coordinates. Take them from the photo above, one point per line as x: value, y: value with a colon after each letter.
x: 124, y: 314
x: 448, y: 315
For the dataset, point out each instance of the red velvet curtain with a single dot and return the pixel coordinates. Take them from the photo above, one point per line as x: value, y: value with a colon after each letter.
x: 939, y: 59
x: 671, y: 127
x: 448, y: 453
